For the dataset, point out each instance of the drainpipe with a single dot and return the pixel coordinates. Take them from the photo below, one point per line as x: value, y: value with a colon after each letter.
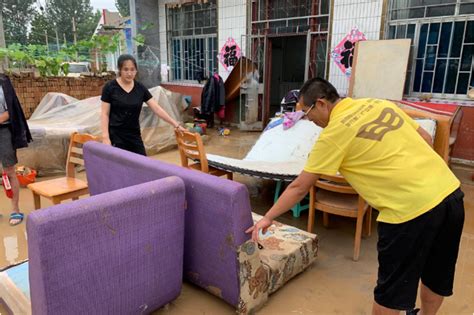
x: 133, y: 20
x: 2, y: 41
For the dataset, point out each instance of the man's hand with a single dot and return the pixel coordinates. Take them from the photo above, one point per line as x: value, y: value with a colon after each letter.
x: 263, y: 225
x: 106, y: 141
x: 292, y: 195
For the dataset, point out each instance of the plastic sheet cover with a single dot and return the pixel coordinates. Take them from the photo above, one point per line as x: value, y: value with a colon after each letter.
x: 50, y: 101
x: 58, y: 115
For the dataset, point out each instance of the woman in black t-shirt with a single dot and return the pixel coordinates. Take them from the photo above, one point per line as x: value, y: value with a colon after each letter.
x: 122, y: 101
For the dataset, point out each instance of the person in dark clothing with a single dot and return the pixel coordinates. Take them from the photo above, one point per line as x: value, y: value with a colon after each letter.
x: 122, y: 101
x: 14, y: 134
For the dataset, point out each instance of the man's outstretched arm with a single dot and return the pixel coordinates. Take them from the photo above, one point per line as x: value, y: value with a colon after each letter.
x: 296, y: 191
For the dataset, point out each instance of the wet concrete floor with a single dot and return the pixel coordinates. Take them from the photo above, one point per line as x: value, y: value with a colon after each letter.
x: 333, y: 285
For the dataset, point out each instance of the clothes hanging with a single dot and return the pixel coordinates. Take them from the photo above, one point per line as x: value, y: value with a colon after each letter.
x: 213, y: 95
x: 19, y: 128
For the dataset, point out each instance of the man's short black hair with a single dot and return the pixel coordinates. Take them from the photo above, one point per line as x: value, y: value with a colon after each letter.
x: 317, y: 88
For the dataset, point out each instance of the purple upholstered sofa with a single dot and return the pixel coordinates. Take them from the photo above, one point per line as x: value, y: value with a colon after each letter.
x: 218, y: 255
x: 114, y: 253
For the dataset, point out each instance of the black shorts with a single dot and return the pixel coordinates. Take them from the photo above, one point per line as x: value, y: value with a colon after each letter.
x: 424, y: 248
x: 8, y: 156
x: 127, y: 140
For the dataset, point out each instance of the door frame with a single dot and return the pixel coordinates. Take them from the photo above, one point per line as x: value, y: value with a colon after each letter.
x: 268, y: 70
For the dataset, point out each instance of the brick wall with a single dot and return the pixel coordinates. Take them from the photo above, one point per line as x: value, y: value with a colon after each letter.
x: 193, y: 90
x: 31, y: 89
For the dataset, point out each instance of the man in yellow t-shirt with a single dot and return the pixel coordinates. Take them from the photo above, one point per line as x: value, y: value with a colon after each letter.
x: 387, y: 158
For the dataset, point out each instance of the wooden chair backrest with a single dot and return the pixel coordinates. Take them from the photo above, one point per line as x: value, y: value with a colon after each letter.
x: 443, y: 130
x: 455, y: 123
x: 75, y: 153
x: 191, y: 148
x: 336, y: 184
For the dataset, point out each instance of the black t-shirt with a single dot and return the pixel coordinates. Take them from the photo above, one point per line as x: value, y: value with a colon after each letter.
x: 125, y: 107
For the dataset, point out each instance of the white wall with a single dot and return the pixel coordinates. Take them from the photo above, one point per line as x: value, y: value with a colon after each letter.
x: 232, y: 22
x: 366, y: 15
x: 163, y: 29
x: 232, y: 18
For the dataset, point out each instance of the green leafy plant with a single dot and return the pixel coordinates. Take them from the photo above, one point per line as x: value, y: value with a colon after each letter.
x: 147, y: 26
x: 56, y: 63
x: 139, y: 39
x: 53, y: 63
x: 65, y: 68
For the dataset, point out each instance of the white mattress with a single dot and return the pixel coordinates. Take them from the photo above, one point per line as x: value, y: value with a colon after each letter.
x: 281, y: 154
x: 278, y: 154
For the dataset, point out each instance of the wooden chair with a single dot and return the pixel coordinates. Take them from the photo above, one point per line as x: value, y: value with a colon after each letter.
x: 191, y: 148
x: 68, y: 187
x: 333, y: 195
x: 444, y: 126
x: 455, y: 122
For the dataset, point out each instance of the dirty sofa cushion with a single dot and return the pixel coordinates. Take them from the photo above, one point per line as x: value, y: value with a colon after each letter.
x: 286, y: 252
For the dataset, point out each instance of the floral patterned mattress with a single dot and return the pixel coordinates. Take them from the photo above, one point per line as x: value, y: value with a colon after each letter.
x: 282, y: 253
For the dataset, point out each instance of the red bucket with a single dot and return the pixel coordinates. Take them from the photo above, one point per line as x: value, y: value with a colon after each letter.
x: 25, y: 175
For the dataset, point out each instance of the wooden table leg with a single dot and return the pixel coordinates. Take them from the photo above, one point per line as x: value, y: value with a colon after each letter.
x: 37, y: 201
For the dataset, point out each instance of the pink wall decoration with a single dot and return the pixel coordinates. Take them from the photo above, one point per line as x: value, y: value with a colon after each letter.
x: 344, y: 51
x: 230, y: 54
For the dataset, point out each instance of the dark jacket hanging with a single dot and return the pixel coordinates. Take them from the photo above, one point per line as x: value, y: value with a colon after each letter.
x: 213, y: 95
x: 19, y: 128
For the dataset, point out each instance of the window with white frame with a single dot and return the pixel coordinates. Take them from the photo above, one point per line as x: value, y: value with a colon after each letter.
x: 192, y: 38
x: 442, y: 55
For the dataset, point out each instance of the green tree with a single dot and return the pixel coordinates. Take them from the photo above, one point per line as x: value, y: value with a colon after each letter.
x: 86, y: 29
x: 17, y: 15
x: 123, y: 6
x: 39, y: 24
x: 61, y: 13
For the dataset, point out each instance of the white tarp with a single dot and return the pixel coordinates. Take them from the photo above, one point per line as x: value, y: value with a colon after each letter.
x: 50, y: 101
x: 53, y: 125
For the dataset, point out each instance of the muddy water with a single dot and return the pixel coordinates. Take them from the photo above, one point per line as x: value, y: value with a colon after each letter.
x: 333, y: 285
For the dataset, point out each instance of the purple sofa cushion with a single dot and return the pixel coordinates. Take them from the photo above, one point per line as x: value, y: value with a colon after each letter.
x: 114, y: 253
x: 218, y: 212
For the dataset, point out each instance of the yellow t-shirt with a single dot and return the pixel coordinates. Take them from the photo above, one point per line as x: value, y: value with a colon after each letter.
x: 376, y: 147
